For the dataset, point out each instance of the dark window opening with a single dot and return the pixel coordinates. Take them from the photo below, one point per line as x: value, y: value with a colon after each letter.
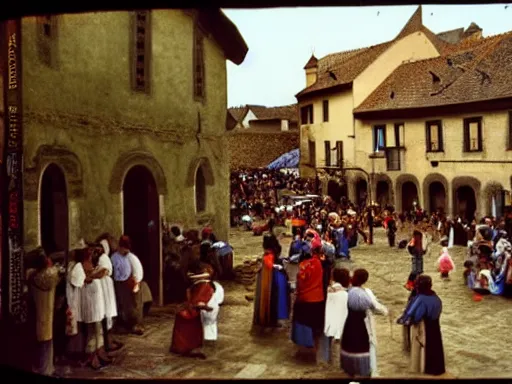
x: 339, y: 153
x: 306, y: 114
x: 510, y: 130
x: 325, y: 109
x: 200, y: 189
x: 399, y: 134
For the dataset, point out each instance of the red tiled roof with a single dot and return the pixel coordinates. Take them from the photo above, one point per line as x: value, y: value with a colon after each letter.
x: 238, y: 113
x: 343, y: 67
x: 312, y: 62
x: 479, y: 71
x: 286, y: 112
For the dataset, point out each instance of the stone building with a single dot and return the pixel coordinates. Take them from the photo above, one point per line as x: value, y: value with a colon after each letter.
x: 124, y: 120
x: 261, y: 134
x: 423, y: 119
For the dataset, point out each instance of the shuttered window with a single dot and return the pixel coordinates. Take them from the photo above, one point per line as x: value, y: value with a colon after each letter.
x: 141, y: 51
x: 199, y: 72
x: 339, y: 154
x: 327, y: 148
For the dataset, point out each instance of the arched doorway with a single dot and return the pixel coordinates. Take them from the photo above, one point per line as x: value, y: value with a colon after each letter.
x: 409, y: 196
x: 361, y: 191
x: 141, y: 220
x: 437, y: 197
x: 54, y: 219
x: 382, y: 193
x: 334, y: 190
x: 465, y: 204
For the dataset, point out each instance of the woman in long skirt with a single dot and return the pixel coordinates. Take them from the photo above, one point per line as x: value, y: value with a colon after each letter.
x: 272, y: 298
x: 427, y: 353
x: 358, y: 343
x: 188, y: 334
x: 309, y: 307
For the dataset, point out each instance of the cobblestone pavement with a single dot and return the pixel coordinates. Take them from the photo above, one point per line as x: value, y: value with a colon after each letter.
x: 475, y: 334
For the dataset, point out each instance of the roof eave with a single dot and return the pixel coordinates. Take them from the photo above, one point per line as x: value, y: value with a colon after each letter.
x: 226, y: 34
x: 302, y: 95
x: 502, y: 103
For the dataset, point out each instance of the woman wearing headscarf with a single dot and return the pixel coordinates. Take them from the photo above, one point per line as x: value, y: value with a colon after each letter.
x: 272, y: 298
x: 309, y: 308
x: 359, y: 340
x: 422, y: 315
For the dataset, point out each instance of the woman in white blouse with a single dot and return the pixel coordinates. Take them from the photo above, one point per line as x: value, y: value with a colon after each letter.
x: 336, y: 310
x: 109, y: 296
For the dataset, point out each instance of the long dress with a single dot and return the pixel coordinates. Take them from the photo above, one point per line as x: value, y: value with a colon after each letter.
x: 272, y: 298
x: 427, y: 353
x: 378, y: 309
x: 309, y: 307
x: 209, y: 318
x: 188, y: 333
x: 109, y: 294
x: 355, y: 343
x: 336, y: 312
x: 74, y: 285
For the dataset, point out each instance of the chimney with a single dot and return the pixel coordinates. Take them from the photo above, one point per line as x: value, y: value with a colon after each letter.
x: 473, y: 32
x: 311, y: 68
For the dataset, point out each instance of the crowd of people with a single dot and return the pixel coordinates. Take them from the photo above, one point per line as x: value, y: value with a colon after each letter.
x: 77, y: 302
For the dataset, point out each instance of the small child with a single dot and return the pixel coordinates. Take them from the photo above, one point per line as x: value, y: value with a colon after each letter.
x: 468, y: 268
x: 445, y: 263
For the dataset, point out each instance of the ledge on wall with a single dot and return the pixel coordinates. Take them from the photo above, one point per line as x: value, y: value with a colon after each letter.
x: 204, y: 218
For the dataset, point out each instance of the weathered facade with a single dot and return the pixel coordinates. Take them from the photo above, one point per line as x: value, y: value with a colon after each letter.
x: 125, y: 121
x: 423, y: 118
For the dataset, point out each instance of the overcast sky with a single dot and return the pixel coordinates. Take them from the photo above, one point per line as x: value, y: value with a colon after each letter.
x: 281, y: 40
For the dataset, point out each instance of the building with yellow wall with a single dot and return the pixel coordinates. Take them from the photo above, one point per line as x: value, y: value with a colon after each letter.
x: 423, y: 118
x: 124, y: 120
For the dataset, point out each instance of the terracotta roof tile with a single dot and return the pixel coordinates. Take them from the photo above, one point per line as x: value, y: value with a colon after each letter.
x: 286, y: 112
x: 312, y: 62
x: 238, y: 113
x: 343, y: 67
x: 481, y: 73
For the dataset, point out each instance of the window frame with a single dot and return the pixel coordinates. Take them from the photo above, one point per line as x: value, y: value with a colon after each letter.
x: 428, y: 136
x: 466, y: 134
x: 509, y: 147
x: 327, y: 150
x: 325, y: 111
x: 399, y: 140
x: 204, y: 202
x: 198, y: 60
x: 375, y: 129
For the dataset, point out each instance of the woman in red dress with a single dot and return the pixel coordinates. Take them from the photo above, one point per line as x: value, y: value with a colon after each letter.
x: 187, y: 336
x: 309, y: 308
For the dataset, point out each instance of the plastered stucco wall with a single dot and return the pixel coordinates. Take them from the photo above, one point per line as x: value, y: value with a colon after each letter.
x: 85, y: 105
x: 416, y: 162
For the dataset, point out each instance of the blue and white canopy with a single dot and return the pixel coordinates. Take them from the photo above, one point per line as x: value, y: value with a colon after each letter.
x: 288, y: 160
